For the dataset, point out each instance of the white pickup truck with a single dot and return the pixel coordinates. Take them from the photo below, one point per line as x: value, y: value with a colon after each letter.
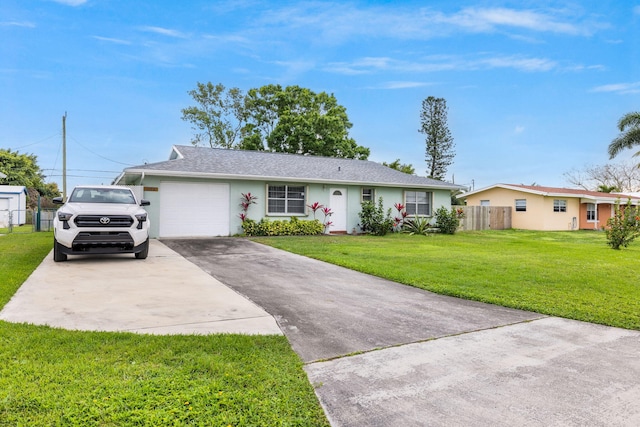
x: 100, y: 220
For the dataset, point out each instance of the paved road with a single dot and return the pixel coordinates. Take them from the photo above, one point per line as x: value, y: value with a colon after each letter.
x: 384, y: 354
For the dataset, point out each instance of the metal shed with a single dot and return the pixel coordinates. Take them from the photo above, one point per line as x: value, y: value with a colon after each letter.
x: 13, y: 205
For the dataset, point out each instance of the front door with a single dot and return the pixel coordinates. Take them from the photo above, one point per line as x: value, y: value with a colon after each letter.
x: 338, y: 205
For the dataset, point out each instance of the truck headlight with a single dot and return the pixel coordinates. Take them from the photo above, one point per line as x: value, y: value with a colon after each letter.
x: 141, y: 218
x: 65, y: 217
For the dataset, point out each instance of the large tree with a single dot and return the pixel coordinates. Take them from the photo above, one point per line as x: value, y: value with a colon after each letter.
x: 439, y: 151
x: 616, y: 177
x: 218, y: 117
x: 288, y: 120
x: 23, y: 169
x: 629, y: 126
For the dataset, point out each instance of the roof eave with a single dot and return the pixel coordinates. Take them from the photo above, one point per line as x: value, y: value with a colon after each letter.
x: 282, y: 179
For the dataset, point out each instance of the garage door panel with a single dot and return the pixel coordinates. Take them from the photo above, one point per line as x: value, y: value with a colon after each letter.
x: 193, y: 209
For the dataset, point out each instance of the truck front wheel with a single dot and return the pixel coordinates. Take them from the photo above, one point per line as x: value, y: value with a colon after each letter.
x: 144, y: 252
x: 58, y: 255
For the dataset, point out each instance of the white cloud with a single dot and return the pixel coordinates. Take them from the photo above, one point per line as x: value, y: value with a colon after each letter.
x: 233, y: 39
x: 519, y: 129
x: 403, y: 85
x: 620, y: 88
x: 441, y: 63
x: 339, y: 21
x: 111, y: 40
x: 518, y: 63
x: 23, y: 24
x: 163, y: 31
x: 485, y: 20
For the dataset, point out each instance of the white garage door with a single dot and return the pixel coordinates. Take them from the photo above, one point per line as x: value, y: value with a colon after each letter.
x: 194, y: 209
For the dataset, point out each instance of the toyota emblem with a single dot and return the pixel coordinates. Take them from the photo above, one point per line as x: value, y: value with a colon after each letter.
x: 105, y: 220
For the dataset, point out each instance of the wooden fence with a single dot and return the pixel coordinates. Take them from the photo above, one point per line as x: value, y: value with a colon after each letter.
x: 485, y: 218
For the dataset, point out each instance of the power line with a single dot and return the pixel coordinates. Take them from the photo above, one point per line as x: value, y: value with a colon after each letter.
x: 82, y: 176
x: 83, y: 170
x: 38, y: 142
x: 100, y: 155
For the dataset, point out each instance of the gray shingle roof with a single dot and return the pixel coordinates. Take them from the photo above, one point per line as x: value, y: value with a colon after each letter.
x: 238, y: 164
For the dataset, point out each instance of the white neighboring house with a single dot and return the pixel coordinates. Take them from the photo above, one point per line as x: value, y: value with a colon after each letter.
x: 13, y: 204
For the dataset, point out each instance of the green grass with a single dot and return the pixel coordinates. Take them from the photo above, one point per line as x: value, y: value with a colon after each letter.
x: 68, y: 378
x: 567, y: 274
x: 18, y: 229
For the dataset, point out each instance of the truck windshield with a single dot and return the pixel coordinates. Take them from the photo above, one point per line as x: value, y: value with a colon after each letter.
x: 102, y: 195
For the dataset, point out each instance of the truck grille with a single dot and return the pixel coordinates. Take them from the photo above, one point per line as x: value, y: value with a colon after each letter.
x: 104, y: 221
x: 86, y: 241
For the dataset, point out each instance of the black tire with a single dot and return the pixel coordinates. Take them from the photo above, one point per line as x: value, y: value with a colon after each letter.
x: 58, y: 255
x: 144, y: 252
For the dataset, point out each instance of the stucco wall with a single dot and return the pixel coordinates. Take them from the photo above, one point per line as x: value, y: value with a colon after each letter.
x: 315, y: 193
x: 605, y: 211
x: 539, y: 214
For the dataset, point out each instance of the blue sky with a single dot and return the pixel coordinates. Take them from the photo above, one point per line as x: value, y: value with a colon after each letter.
x: 534, y: 88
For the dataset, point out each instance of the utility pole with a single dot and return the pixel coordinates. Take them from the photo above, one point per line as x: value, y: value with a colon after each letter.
x: 64, y: 157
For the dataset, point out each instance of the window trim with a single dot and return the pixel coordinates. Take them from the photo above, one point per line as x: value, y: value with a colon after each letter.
x: 523, y: 205
x: 305, y: 193
x: 594, y: 211
x: 429, y: 204
x: 373, y: 194
x: 560, y: 205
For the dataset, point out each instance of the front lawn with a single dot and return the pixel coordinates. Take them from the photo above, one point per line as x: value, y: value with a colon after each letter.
x: 567, y: 274
x: 68, y: 378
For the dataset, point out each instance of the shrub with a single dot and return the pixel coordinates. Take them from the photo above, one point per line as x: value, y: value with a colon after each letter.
x: 293, y: 227
x: 417, y: 225
x: 448, y: 221
x: 623, y: 226
x: 373, y: 219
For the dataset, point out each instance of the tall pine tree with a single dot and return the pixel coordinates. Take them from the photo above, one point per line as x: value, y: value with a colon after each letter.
x: 439, y: 152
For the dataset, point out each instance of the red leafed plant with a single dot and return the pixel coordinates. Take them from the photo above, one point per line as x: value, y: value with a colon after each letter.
x: 314, y: 207
x: 246, y: 200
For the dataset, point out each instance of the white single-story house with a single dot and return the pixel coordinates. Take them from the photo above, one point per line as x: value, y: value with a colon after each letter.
x: 13, y: 204
x: 197, y: 192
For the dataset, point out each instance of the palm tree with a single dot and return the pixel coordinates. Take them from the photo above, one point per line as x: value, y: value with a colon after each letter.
x: 629, y: 125
x: 604, y: 188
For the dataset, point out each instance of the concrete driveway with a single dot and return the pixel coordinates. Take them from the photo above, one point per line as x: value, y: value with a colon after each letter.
x: 164, y: 294
x: 384, y: 354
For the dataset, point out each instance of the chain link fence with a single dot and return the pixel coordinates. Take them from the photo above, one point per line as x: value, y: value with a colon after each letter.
x: 26, y: 220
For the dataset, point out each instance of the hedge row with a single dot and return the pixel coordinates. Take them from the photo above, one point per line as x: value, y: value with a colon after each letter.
x: 292, y: 227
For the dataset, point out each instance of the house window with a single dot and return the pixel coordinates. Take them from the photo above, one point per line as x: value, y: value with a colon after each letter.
x: 286, y: 199
x: 368, y: 195
x: 484, y: 202
x: 559, y: 205
x: 418, y: 202
x: 521, y: 205
x: 591, y: 211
